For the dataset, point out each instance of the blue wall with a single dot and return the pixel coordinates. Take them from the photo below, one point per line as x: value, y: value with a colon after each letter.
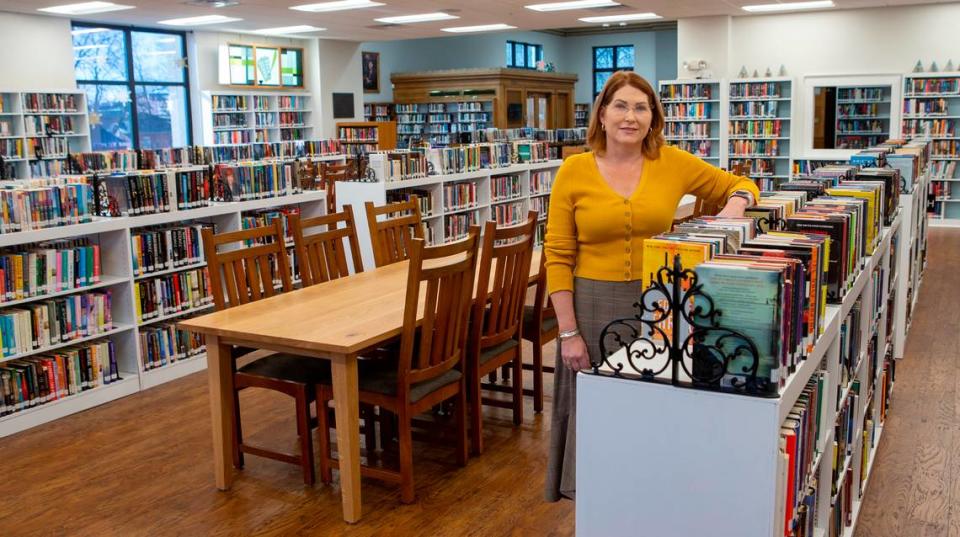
x: 656, y: 55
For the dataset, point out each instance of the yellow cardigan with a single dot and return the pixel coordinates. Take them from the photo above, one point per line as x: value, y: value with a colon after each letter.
x: 595, y: 233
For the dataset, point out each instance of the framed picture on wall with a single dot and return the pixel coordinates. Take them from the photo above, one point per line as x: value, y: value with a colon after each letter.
x: 371, y: 71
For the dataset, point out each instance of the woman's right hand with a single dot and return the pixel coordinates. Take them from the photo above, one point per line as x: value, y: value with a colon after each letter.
x: 573, y: 352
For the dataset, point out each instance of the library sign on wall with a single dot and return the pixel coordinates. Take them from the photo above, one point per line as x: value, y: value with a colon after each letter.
x: 261, y: 66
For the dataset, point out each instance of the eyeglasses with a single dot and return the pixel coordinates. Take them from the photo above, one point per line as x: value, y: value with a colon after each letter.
x: 621, y: 108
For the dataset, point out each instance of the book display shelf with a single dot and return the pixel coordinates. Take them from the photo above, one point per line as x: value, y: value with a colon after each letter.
x: 581, y: 115
x: 758, y: 129
x: 148, y: 270
x: 694, y: 117
x: 233, y: 119
x: 931, y: 109
x: 362, y: 137
x: 437, y: 122
x: 379, y: 112
x: 728, y: 460
x: 39, y: 129
x: 862, y: 116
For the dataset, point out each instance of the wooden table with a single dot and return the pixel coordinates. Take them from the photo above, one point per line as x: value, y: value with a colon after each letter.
x: 332, y: 321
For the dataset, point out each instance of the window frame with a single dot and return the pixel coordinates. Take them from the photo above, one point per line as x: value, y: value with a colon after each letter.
x: 526, y: 60
x: 611, y: 70
x: 281, y: 49
x: 131, y: 82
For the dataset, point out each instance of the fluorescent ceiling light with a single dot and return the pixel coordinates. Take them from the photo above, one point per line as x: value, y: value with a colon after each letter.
x: 423, y: 17
x: 623, y: 18
x: 81, y: 31
x: 788, y: 6
x: 85, y: 8
x: 577, y: 4
x: 340, y: 5
x: 199, y: 21
x: 481, y: 28
x: 284, y: 30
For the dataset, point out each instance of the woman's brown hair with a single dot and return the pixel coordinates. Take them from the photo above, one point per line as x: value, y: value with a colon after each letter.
x: 597, y: 138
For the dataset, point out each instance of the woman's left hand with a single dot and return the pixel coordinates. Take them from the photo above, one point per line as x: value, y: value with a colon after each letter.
x: 734, y: 208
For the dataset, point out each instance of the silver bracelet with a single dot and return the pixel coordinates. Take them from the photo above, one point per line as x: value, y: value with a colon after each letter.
x: 568, y: 334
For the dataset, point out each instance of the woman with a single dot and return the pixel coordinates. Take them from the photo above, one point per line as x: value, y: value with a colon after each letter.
x: 603, y: 205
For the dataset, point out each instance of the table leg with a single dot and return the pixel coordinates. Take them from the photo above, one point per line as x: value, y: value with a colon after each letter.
x: 220, y: 380
x: 347, y: 407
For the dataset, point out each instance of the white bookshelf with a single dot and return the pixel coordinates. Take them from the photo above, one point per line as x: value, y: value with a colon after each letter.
x: 262, y: 117
x: 862, y: 116
x: 45, y: 135
x: 114, y: 237
x: 931, y: 102
x: 680, y: 462
x: 759, y: 121
x: 696, y: 115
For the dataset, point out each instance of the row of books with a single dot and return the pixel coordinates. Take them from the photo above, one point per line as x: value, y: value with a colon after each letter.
x: 842, y: 491
x: 468, y: 158
x: 928, y: 127
x: 50, y: 102
x: 509, y: 214
x: 232, y: 137
x: 541, y: 182
x: 264, y: 119
x: 165, y: 344
x: 932, y: 85
x: 45, y: 125
x: 850, y: 344
x: 505, y: 187
x: 687, y: 110
x: 541, y: 204
x: 49, y: 377
x: 699, y: 148
x: 687, y: 130
x: 456, y: 226
x: 157, y: 250
x: 399, y: 165
x: 800, y: 437
x: 860, y: 94
x: 266, y: 217
x: 946, y: 148
x: 769, y: 148
x: 424, y: 198
x: 686, y: 91
x: 171, y: 293
x: 292, y: 118
x: 47, y: 147
x: 251, y: 180
x: 233, y: 119
x: 228, y: 102
x: 860, y: 126
x: 754, y: 109
x: 926, y: 107
x: 858, y: 110
x: 769, y: 90
x: 11, y: 148
x: 766, y: 127
x: 261, y: 102
x: 42, y: 203
x: 48, y: 268
x: 41, y: 324
x: 194, y: 188
x: 753, y: 167
x: 289, y: 102
x: 134, y: 194
x: 458, y: 196
x: 353, y: 134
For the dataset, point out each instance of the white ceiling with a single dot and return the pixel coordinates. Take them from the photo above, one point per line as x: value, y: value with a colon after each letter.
x: 359, y: 24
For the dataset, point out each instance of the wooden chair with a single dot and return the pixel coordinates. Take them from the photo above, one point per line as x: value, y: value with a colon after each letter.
x: 495, y: 326
x: 243, y: 275
x: 330, y: 173
x: 391, y: 238
x: 540, y: 327
x: 428, y: 366
x: 323, y: 255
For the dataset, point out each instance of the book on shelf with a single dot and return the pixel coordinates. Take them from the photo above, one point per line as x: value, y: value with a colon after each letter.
x: 251, y: 180
x: 37, y: 325
x: 43, y: 203
x: 166, y: 248
x: 51, y: 102
x: 170, y: 294
x: 164, y: 344
x: 29, y: 271
x: 132, y: 194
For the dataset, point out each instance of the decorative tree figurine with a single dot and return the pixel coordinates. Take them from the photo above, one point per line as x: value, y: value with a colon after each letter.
x: 948, y: 66
x: 743, y: 72
x: 918, y: 68
x: 933, y: 67
x: 768, y: 73
x: 783, y: 71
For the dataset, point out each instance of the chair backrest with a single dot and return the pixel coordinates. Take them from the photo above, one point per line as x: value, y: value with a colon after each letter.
x: 248, y: 272
x: 502, y: 282
x: 448, y: 273
x: 391, y: 238
x: 330, y: 173
x: 322, y: 255
x: 542, y: 305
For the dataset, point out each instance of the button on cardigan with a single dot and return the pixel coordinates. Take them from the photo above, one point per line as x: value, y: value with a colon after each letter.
x: 593, y: 232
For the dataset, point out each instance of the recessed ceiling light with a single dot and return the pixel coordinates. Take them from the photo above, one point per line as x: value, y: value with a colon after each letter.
x: 577, y: 4
x: 788, y: 6
x: 199, y: 21
x: 85, y: 8
x: 284, y: 30
x: 340, y: 5
x: 480, y: 28
x: 623, y: 18
x: 423, y: 17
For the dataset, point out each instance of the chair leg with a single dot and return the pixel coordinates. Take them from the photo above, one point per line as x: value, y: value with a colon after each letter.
x: 406, y: 457
x: 476, y: 413
x: 505, y: 371
x: 369, y: 429
x: 237, y: 432
x: 518, y: 389
x: 492, y: 377
x: 323, y: 430
x: 388, y: 429
x: 306, y: 439
x: 461, y: 416
x: 537, y: 378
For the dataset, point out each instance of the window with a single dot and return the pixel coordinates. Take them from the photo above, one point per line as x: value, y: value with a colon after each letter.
x: 265, y: 66
x: 608, y: 60
x: 523, y: 55
x: 136, y: 85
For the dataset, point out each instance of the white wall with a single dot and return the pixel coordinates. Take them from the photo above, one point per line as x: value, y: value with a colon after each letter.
x: 879, y: 40
x: 37, y: 53
x: 339, y: 69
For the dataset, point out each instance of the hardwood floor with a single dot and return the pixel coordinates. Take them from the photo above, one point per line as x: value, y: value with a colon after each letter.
x: 141, y: 465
